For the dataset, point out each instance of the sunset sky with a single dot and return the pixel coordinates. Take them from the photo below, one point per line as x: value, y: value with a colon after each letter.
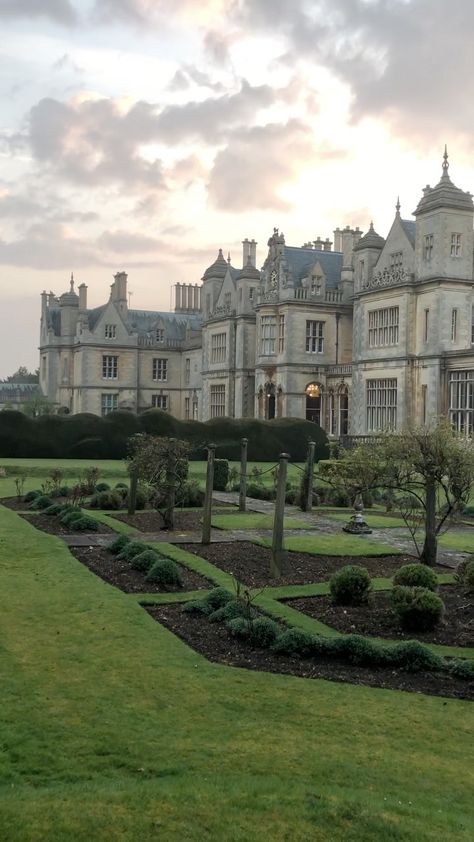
x: 145, y: 134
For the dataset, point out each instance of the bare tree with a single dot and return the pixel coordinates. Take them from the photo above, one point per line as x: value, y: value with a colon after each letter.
x: 434, y: 466
x: 162, y: 463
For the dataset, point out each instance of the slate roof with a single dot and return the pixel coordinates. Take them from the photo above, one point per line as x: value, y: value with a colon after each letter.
x: 409, y: 227
x: 175, y: 324
x: 300, y: 261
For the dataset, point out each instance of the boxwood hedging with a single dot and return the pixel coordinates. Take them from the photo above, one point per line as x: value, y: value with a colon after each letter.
x: 87, y: 436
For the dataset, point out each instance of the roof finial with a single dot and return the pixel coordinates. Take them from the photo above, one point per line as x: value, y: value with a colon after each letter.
x: 228, y: 257
x: 371, y: 226
x: 398, y: 206
x: 445, y: 160
x: 72, y: 282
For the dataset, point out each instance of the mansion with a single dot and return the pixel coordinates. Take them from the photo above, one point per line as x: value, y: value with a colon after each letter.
x: 357, y: 334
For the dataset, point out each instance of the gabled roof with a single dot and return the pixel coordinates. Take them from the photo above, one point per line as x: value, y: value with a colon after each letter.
x: 300, y: 261
x: 175, y: 324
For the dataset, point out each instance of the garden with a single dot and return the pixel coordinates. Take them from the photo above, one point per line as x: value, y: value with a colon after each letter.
x: 170, y: 632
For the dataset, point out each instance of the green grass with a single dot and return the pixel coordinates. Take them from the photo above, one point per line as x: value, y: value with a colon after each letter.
x: 340, y: 545
x: 374, y: 521
x: 462, y: 541
x: 254, y: 521
x: 113, y: 729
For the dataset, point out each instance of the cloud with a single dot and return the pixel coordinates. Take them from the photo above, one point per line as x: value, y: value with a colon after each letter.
x: 59, y: 11
x: 123, y: 242
x: 189, y: 75
x: 49, y: 245
x: 404, y: 60
x: 249, y: 172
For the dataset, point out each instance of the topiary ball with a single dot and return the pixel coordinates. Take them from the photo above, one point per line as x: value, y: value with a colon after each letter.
x: 264, y: 632
x: 218, y: 597
x: 118, y: 544
x: 32, y: 495
x: 164, y: 572
x: 84, y: 524
x: 350, y: 585
x: 131, y: 549
x: 42, y: 501
x: 232, y: 609
x: 417, y: 609
x: 144, y: 561
x: 416, y: 576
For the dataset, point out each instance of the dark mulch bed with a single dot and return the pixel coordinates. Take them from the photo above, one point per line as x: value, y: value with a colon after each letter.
x: 377, y: 618
x: 19, y: 505
x: 250, y: 563
x: 212, y: 641
x: 119, y: 573
x: 153, y: 521
x: 52, y: 526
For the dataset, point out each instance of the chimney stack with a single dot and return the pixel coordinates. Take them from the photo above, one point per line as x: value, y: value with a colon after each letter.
x: 327, y: 244
x: 318, y: 244
x: 82, y: 297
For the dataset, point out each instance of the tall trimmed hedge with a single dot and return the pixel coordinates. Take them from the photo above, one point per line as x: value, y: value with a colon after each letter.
x: 87, y: 436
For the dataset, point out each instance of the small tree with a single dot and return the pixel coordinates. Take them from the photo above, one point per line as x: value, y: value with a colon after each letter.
x: 434, y: 465
x: 163, y: 464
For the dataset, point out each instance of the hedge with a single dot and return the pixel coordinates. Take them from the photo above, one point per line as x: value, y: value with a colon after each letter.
x: 87, y: 436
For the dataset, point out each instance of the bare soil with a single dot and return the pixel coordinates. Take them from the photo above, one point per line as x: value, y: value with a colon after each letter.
x: 119, y: 573
x: 377, y: 618
x: 52, y: 526
x: 212, y: 641
x: 153, y: 521
x: 250, y: 563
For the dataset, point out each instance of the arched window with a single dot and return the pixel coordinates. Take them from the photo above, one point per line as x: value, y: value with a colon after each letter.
x: 343, y: 394
x: 331, y: 413
x: 313, y: 394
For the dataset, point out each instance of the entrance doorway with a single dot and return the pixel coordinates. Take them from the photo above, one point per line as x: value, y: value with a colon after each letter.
x: 313, y: 403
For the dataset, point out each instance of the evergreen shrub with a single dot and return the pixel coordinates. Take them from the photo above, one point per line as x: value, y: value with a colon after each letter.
x: 417, y: 609
x: 295, y: 642
x: 43, y: 501
x: 108, y: 500
x: 350, y: 585
x: 131, y: 549
x: 416, y: 576
x: 32, y: 495
x: 264, y: 632
x: 412, y: 656
x: 102, y: 486
x: 164, y: 572
x: 462, y: 669
x: 221, y: 474
x: 144, y: 561
x: 232, y: 609
x: 84, y: 524
x: 119, y: 543
x: 464, y: 575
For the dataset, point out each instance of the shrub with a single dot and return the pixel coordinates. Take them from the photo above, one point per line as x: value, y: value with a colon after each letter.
x: 264, y: 632
x: 292, y: 497
x: 462, y: 669
x: 64, y: 491
x: 233, y: 608
x: 295, y: 642
x: 131, y: 549
x: 121, y: 485
x: 118, y: 543
x: 191, y: 494
x: 350, y: 585
x: 359, y: 650
x: 102, y: 486
x: 41, y: 502
x: 409, y: 501
x: 414, y: 657
x: 218, y: 597
x: 141, y: 499
x: 259, y: 491
x: 70, y: 515
x: 468, y: 510
x: 110, y: 500
x: 164, y: 572
x: 416, y: 576
x: 221, y: 474
x: 464, y: 575
x: 32, y: 495
x: 197, y: 606
x: 84, y: 524
x: 144, y: 561
x: 54, y: 509
x: 338, y: 498
x: 238, y: 627
x: 417, y: 609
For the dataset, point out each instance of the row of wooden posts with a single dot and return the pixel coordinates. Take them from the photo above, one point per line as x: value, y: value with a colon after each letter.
x: 278, y: 551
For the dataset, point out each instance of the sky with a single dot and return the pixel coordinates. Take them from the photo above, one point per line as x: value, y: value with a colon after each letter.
x: 144, y: 135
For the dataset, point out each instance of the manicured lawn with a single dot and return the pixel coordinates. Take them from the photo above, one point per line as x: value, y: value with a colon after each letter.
x: 456, y: 540
x: 252, y: 520
x: 113, y: 729
x: 320, y: 544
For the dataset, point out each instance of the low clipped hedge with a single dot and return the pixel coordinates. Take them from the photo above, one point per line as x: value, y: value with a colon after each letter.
x: 220, y: 605
x: 87, y: 436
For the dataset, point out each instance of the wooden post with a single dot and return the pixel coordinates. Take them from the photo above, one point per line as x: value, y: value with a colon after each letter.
x: 207, y: 511
x: 243, y: 475
x: 132, y: 494
x: 277, y: 541
x: 310, y: 472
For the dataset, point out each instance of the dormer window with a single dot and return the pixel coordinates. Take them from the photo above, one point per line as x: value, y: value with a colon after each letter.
x: 227, y: 299
x: 316, y: 285
x: 110, y: 331
x: 160, y: 334
x: 455, y: 245
x: 396, y: 260
x: 428, y: 246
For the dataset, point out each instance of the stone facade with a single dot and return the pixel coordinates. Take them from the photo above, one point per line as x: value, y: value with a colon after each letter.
x: 369, y: 334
